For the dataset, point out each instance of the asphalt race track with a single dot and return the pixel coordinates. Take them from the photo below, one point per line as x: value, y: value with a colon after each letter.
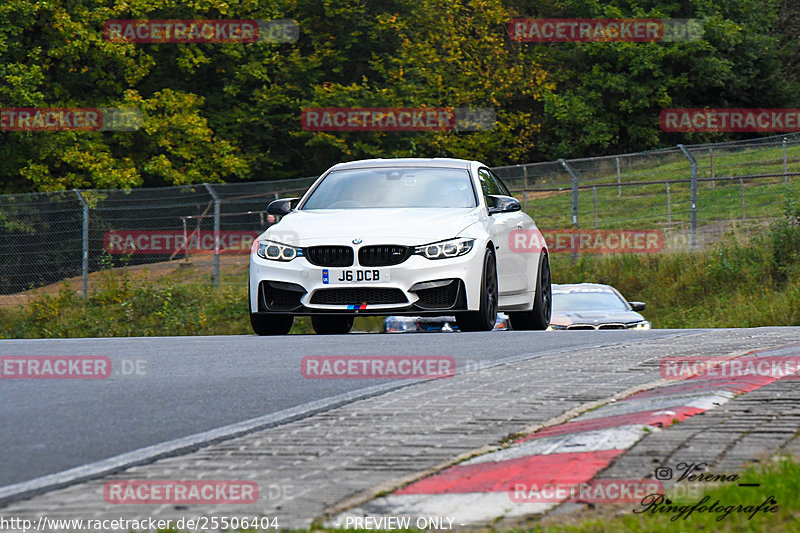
x: 167, y: 388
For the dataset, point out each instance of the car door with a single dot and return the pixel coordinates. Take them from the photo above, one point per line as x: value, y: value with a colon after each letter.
x: 527, y: 265
x: 510, y: 265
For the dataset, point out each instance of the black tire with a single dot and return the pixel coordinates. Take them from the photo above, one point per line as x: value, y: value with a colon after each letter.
x: 484, y: 318
x: 331, y: 324
x: 271, y: 324
x: 539, y: 317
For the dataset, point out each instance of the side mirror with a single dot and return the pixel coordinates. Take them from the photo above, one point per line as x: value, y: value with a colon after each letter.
x: 503, y: 204
x: 637, y: 306
x: 280, y: 207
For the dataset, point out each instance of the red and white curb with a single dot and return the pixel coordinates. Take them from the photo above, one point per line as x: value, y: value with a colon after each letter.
x: 570, y: 454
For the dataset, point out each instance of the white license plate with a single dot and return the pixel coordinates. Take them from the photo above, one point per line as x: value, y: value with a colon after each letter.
x: 343, y: 276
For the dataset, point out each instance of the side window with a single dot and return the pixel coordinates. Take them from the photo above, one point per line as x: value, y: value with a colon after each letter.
x: 488, y: 184
x: 502, y: 186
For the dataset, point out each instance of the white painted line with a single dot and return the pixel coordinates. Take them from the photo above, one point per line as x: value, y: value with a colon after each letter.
x: 704, y: 400
x: 615, y: 438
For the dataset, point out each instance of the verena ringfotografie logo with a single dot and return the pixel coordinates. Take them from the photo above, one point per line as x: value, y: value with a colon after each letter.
x: 201, y: 31
x: 595, y: 491
x: 658, y: 504
x: 397, y: 118
x: 611, y: 241
x: 70, y: 119
x: 639, y: 30
x: 377, y: 366
x: 679, y: 368
x: 175, y: 241
x: 180, y: 492
x: 55, y: 367
x: 730, y: 120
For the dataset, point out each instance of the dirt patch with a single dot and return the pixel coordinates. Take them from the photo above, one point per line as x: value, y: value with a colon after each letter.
x: 540, y: 195
x: 545, y: 194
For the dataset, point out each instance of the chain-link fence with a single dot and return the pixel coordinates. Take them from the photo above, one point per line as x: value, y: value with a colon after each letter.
x: 48, y: 237
x: 691, y: 194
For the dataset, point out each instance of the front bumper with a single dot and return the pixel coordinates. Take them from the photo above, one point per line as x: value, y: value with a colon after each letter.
x: 297, y: 287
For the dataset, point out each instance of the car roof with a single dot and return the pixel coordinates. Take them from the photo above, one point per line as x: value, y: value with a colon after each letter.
x: 441, y: 162
x: 588, y: 287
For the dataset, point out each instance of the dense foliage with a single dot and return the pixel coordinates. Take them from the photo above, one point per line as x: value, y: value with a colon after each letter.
x: 230, y: 112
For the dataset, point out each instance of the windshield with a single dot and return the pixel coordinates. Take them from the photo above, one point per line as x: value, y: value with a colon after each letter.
x: 393, y: 187
x: 585, y: 301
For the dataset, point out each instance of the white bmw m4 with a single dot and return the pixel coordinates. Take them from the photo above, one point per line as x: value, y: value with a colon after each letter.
x: 399, y: 237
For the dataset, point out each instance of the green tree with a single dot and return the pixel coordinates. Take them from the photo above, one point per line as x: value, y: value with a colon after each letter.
x: 53, y: 54
x: 230, y: 112
x: 608, y: 96
x: 448, y: 54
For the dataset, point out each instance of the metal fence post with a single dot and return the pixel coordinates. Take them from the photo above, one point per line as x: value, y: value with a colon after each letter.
x: 217, y: 203
x: 785, y: 167
x: 594, y: 198
x: 84, y: 244
x: 669, y: 207
x: 741, y: 195
x: 185, y: 241
x: 524, y: 188
x: 574, y: 177
x: 711, y: 164
x: 693, y: 206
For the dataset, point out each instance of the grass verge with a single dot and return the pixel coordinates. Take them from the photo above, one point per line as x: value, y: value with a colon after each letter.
x: 742, y: 281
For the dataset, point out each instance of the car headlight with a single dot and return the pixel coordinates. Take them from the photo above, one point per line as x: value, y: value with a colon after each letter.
x: 276, y: 251
x: 445, y: 249
x: 644, y: 324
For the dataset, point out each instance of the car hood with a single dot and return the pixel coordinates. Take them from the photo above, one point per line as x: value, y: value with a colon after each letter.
x: 372, y: 226
x: 568, y: 318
